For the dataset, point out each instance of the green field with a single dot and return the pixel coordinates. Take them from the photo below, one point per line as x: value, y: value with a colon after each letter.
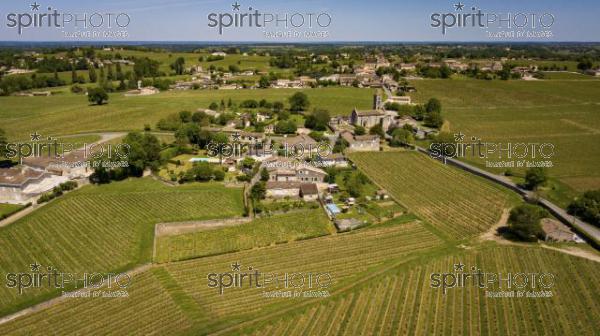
x: 564, y: 113
x: 381, y: 286
x: 8, y: 209
x: 347, y: 257
x: 402, y: 303
x: 69, y: 113
x: 260, y: 232
x: 103, y: 228
x: 568, y: 76
x: 456, y: 203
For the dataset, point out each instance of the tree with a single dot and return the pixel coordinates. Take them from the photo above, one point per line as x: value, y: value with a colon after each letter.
x: 524, y: 222
x: 178, y: 66
x: 144, y: 152
x: 433, y: 105
x: 587, y: 207
x: 401, y: 137
x: 258, y: 191
x: 264, y: 82
x: 278, y: 106
x: 264, y: 175
x: 433, y: 119
x: 359, y: 130
x: 219, y: 174
x: 585, y: 63
x: 92, y: 74
x: 299, y: 102
x: 202, y: 171
x: 317, y: 120
x: 286, y: 127
x: 74, y: 78
x: 535, y: 177
x: 185, y: 116
x: 355, y: 183
x: 97, y: 95
x: 377, y: 130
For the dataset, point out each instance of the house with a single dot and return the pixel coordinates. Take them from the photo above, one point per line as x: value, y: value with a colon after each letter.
x: 145, y: 91
x: 407, y: 120
x: 287, y: 170
x: 423, y: 133
x: 209, y: 112
x: 347, y: 80
x: 370, y: 118
x: 282, y: 175
x: 251, y: 137
x: 301, y: 143
x: 361, y: 142
x: 333, y: 160
x: 269, y: 129
x: 407, y: 67
x: 20, y: 184
x: 307, y: 81
x: 308, y: 173
x: 283, y: 189
x: 219, y: 54
x: 309, y: 192
x: 402, y: 100
x: 72, y: 165
x: 593, y: 72
x: 338, y: 121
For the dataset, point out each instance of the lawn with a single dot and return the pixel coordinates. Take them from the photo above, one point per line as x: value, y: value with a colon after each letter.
x: 456, y: 203
x: 565, y: 113
x: 260, y: 232
x: 103, y: 229
x: 8, y: 209
x: 69, y: 113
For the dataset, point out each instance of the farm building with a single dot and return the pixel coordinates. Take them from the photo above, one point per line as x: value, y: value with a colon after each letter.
x: 309, y: 192
x: 283, y: 189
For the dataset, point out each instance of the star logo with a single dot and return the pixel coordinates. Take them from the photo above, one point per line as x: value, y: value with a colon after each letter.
x: 35, y: 6
x: 35, y: 267
x: 235, y: 267
x: 459, y: 137
x: 459, y: 267
x: 236, y: 136
x: 35, y: 136
x: 459, y: 6
x: 236, y: 6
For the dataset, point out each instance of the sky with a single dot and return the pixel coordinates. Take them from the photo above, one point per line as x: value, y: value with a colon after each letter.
x: 350, y: 20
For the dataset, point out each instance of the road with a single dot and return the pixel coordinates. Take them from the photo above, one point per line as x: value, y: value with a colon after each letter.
x: 588, y: 230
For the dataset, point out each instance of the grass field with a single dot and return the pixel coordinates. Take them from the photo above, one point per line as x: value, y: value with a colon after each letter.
x: 69, y: 113
x: 564, y: 113
x: 260, y: 232
x: 403, y: 303
x: 103, y: 228
x: 456, y: 203
x: 347, y: 257
x: 8, y: 209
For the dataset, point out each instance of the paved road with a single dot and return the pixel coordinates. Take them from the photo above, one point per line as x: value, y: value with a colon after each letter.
x: 590, y: 231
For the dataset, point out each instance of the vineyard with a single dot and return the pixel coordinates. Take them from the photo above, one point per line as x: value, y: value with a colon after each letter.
x: 350, y: 258
x: 102, y: 229
x: 456, y: 203
x: 258, y: 233
x: 405, y: 304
